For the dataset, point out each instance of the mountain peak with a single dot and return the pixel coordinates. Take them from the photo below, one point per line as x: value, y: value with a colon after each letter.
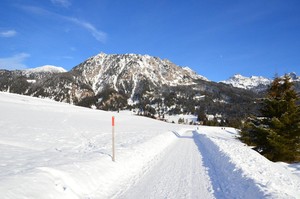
x: 238, y: 76
x: 293, y: 76
x: 130, y: 72
x: 252, y: 82
x: 46, y: 69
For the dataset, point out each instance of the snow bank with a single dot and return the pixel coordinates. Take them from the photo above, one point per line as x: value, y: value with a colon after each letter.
x: 239, y: 167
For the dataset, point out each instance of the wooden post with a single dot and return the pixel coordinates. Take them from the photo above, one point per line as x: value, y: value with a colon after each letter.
x: 113, y: 137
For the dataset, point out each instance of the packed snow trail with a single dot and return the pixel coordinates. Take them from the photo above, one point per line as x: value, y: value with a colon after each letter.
x: 195, y: 167
x: 227, y: 179
x: 179, y: 174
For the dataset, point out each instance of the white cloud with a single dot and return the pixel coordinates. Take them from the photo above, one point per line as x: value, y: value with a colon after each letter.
x: 63, y: 3
x: 8, y: 33
x: 97, y: 34
x: 38, y: 11
x: 14, y: 62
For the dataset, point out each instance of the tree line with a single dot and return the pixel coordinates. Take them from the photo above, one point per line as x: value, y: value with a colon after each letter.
x: 275, y: 131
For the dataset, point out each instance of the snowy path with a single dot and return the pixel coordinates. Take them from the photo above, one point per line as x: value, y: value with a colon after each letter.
x: 179, y: 174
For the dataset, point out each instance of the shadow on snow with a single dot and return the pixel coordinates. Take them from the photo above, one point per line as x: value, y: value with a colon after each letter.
x: 227, y: 180
x: 180, y: 136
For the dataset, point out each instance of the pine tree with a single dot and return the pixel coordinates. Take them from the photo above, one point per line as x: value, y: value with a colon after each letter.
x: 276, y: 134
x: 202, y: 116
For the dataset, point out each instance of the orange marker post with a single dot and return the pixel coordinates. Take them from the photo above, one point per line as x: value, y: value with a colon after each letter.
x: 113, y: 137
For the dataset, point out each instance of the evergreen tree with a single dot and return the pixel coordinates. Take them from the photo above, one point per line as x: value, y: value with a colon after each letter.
x: 202, y: 116
x: 276, y: 134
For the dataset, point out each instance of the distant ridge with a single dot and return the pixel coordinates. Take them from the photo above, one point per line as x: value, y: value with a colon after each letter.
x: 255, y: 83
x: 150, y: 85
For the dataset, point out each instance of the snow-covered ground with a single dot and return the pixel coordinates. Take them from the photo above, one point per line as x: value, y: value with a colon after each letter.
x: 56, y: 150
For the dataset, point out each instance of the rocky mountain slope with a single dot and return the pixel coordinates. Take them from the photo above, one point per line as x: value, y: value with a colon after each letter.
x: 149, y: 84
x: 156, y: 86
x: 131, y: 73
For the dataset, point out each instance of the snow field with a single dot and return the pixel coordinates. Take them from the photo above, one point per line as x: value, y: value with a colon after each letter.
x: 56, y: 150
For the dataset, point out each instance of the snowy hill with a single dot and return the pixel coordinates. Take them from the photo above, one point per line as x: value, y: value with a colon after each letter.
x: 56, y: 150
x: 45, y: 69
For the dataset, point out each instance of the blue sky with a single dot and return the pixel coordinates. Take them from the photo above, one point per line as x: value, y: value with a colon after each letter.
x: 215, y: 38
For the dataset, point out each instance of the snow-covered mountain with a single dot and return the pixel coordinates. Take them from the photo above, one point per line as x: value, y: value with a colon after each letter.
x: 294, y: 77
x: 45, y: 69
x: 255, y: 83
x: 130, y: 72
x: 112, y: 82
x: 41, y: 72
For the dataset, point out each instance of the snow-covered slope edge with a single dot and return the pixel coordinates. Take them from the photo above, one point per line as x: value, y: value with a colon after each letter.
x: 241, y: 167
